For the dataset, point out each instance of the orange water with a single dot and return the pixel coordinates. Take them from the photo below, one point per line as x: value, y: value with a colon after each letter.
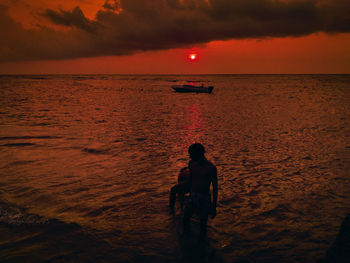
x: 102, y: 151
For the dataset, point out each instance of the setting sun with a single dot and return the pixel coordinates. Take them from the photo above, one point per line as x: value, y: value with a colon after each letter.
x: 192, y: 57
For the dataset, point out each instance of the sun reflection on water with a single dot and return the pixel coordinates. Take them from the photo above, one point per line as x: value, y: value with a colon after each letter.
x: 194, y: 131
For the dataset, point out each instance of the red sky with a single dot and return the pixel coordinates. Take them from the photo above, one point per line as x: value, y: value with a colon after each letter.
x: 127, y: 37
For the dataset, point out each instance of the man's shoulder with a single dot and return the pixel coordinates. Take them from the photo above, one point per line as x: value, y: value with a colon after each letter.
x: 211, y: 165
x: 206, y: 163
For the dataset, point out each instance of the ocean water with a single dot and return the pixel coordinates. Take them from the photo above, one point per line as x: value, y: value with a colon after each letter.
x: 87, y: 161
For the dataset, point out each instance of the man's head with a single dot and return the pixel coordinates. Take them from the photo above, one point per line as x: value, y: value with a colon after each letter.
x: 184, y: 173
x: 196, y: 151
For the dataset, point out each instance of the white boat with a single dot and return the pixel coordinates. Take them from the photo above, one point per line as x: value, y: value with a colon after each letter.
x: 193, y: 88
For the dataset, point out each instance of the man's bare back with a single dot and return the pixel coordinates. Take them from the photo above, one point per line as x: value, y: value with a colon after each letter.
x: 202, y: 174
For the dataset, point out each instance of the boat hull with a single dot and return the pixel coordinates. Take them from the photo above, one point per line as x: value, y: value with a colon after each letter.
x: 190, y: 88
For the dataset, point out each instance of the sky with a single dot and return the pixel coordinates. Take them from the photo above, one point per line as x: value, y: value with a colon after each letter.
x: 158, y: 36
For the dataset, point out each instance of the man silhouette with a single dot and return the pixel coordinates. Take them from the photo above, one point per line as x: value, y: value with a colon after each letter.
x: 202, y: 174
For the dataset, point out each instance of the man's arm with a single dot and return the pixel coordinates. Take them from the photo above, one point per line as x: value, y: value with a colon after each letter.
x: 214, y: 181
x: 189, y: 178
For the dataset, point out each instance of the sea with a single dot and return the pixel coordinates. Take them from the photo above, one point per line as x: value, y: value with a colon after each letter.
x: 87, y: 162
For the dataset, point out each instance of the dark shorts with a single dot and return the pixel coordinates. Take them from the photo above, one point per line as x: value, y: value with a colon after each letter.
x: 201, y: 203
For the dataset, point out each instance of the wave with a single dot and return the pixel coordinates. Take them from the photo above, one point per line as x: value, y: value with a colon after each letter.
x: 27, y: 137
x: 95, y: 151
x: 26, y: 237
x: 18, y: 144
x: 14, y: 215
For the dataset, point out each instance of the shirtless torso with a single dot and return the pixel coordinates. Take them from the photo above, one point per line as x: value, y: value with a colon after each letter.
x: 202, y: 175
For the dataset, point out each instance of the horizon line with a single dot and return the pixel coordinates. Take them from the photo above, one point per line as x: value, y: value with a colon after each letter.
x: 166, y: 74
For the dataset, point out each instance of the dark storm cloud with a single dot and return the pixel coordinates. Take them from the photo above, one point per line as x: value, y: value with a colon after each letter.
x: 112, y: 5
x: 129, y: 26
x: 17, y: 43
x: 74, y: 18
